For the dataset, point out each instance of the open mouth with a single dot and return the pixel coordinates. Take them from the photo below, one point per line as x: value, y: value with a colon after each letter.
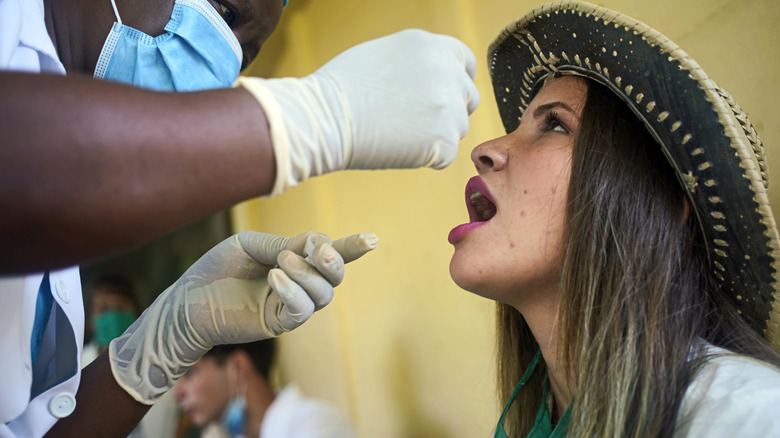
x: 481, y: 209
x: 480, y: 205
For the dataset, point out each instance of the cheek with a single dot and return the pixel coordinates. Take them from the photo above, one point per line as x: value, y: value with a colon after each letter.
x: 518, y: 252
x: 211, y: 395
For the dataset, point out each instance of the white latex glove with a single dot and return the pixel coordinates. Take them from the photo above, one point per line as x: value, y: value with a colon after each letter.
x: 225, y: 298
x: 401, y: 101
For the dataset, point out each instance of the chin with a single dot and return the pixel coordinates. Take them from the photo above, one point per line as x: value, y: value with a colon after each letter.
x: 464, y: 277
x: 477, y: 277
x: 198, y: 420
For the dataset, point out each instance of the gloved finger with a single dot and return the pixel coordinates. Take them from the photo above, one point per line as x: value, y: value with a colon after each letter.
x: 313, y: 241
x: 273, y: 308
x: 463, y: 127
x: 353, y: 247
x: 265, y: 248
x: 296, y: 305
x: 327, y: 262
x: 324, y: 258
x: 472, y: 101
x: 317, y: 286
x: 469, y: 61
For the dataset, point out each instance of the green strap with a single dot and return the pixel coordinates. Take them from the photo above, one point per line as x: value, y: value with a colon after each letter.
x: 543, y: 425
x: 563, y: 425
x: 500, y: 433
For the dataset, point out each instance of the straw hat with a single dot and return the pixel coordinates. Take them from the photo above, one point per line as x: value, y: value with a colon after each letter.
x: 706, y: 136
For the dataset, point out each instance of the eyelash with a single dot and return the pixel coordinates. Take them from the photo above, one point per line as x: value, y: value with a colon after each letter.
x: 228, y: 14
x: 552, y: 121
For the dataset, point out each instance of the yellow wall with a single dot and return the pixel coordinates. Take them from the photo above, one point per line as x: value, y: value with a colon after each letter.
x: 401, y: 349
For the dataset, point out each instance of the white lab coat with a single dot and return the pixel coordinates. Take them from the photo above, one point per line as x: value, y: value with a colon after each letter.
x: 25, y: 46
x: 60, y: 353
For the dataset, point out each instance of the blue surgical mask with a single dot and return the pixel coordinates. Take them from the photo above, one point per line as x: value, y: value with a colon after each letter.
x: 198, y: 51
x: 234, y: 416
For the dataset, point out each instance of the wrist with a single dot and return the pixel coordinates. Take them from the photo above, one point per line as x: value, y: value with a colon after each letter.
x: 151, y: 355
x: 309, y: 126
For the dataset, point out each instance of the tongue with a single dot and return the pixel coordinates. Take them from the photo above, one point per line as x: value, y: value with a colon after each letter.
x: 483, y: 209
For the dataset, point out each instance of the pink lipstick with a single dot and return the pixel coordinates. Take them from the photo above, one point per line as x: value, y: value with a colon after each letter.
x: 481, y: 208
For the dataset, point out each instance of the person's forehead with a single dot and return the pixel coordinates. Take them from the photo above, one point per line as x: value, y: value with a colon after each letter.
x: 204, y: 370
x: 207, y: 362
x: 569, y: 89
x: 109, y: 294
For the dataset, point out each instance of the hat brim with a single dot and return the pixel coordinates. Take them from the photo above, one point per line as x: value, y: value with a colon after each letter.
x: 708, y: 139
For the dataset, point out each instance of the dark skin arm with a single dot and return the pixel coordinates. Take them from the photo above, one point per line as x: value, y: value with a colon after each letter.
x: 88, y: 168
x: 103, y: 408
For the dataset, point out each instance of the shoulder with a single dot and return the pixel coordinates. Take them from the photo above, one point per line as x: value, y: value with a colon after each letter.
x: 293, y: 414
x: 292, y: 400
x: 731, y: 395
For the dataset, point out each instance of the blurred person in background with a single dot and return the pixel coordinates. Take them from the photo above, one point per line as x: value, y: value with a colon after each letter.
x: 228, y: 393
x: 113, y: 308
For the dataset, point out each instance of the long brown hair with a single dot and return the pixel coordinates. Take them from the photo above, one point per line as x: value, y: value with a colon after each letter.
x: 635, y: 291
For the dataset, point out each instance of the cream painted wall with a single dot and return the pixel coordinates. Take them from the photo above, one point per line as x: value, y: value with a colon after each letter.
x: 401, y: 349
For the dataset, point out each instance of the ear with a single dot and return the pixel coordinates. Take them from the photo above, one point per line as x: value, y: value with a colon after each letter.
x: 686, y: 209
x: 242, y: 363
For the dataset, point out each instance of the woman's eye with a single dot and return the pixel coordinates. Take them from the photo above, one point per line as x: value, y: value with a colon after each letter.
x: 552, y: 123
x: 227, y: 14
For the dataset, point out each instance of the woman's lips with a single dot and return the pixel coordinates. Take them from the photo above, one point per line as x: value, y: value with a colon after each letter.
x: 458, y: 232
x: 481, y: 209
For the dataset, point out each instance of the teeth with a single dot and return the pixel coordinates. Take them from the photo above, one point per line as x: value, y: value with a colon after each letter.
x: 482, y: 205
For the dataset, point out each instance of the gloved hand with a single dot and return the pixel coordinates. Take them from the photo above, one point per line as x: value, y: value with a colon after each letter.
x: 225, y: 298
x: 401, y: 101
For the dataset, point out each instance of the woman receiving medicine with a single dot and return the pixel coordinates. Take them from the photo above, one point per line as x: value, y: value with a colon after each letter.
x: 624, y: 229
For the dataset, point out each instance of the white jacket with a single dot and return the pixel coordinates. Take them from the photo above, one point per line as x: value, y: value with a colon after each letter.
x: 25, y: 46
x: 59, y: 356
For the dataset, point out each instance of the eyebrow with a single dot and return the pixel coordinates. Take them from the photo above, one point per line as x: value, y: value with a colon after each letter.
x: 544, y: 108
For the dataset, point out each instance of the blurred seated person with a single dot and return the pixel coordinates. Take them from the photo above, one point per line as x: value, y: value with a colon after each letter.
x: 114, y: 306
x: 228, y: 393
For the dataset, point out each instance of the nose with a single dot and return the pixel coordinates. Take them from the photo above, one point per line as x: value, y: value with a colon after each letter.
x: 178, y: 391
x: 491, y: 155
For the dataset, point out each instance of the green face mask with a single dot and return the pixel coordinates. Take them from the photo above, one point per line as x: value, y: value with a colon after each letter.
x: 110, y: 324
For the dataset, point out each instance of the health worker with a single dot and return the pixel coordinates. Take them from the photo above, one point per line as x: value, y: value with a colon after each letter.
x: 89, y: 167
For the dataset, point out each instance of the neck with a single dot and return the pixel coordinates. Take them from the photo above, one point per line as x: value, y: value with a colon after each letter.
x: 541, y: 317
x: 259, y: 397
